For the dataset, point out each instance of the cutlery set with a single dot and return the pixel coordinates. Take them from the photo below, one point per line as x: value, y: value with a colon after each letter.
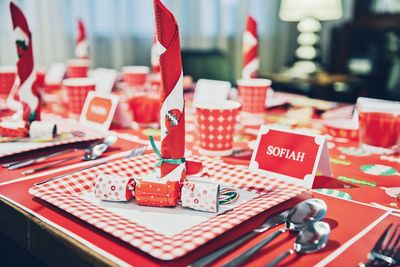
x: 304, y: 219
x: 92, y: 152
x: 386, y: 251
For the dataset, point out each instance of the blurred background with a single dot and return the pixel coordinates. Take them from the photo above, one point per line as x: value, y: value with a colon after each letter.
x: 354, y: 47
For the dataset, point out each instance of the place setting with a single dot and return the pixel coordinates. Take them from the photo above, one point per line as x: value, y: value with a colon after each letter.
x: 120, y: 162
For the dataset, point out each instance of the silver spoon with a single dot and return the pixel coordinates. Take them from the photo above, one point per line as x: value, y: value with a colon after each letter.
x: 97, y: 150
x: 91, y: 153
x: 304, y: 213
x: 311, y: 239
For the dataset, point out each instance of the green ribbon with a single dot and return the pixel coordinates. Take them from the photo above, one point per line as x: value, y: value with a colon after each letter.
x: 162, y: 160
x: 32, y: 116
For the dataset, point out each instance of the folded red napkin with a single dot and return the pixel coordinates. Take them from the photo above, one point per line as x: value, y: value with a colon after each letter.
x: 251, y: 62
x: 172, y: 117
x: 27, y: 92
x: 82, y: 46
x: 155, y: 57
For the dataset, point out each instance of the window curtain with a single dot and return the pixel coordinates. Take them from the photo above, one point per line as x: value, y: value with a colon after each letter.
x: 120, y: 32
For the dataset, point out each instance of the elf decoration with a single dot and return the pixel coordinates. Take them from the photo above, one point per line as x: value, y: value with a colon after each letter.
x: 251, y: 62
x: 82, y: 46
x: 27, y: 93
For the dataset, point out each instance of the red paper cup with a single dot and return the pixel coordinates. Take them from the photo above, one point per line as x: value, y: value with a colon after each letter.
x: 135, y: 76
x: 145, y: 108
x: 253, y: 93
x: 7, y: 79
x: 77, y: 68
x: 341, y: 128
x: 379, y: 126
x: 76, y: 91
x: 216, y: 125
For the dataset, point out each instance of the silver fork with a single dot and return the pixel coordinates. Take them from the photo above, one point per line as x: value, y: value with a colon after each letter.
x: 386, y: 251
x: 271, y: 221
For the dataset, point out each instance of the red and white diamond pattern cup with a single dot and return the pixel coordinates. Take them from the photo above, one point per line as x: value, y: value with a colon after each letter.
x: 135, y: 76
x: 77, y: 90
x: 7, y: 78
x: 253, y: 93
x: 216, y: 125
x: 77, y: 68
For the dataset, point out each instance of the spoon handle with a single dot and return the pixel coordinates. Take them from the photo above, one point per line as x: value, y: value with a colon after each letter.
x: 280, y: 257
x: 239, y: 260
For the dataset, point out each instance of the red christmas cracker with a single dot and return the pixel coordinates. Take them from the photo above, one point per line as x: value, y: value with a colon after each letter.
x: 200, y: 196
x: 251, y: 62
x: 113, y: 188
x: 157, y: 194
x: 82, y: 45
x: 27, y: 92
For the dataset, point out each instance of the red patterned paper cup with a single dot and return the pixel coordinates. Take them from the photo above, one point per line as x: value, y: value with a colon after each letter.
x: 76, y: 91
x: 77, y: 68
x: 135, y: 76
x: 216, y: 125
x: 253, y: 93
x: 7, y: 78
x: 145, y: 108
x: 379, y: 126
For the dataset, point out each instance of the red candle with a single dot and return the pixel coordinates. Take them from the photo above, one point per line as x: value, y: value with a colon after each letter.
x: 379, y: 129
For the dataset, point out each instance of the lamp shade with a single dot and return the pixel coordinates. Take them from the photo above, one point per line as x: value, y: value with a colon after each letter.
x: 295, y: 10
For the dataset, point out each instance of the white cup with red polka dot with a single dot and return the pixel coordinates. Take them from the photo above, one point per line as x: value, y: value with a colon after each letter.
x: 216, y: 123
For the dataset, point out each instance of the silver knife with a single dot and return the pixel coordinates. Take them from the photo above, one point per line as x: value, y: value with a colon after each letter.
x: 271, y: 221
x: 19, y: 164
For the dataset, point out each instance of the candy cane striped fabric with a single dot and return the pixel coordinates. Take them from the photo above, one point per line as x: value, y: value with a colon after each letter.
x: 251, y: 61
x: 172, y: 118
x: 82, y: 46
x: 27, y: 92
x: 155, y: 57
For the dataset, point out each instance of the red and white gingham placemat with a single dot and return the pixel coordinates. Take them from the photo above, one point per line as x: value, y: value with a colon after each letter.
x: 64, y: 193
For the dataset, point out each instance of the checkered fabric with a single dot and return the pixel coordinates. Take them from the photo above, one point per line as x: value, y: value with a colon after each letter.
x: 6, y: 82
x: 216, y: 128
x: 77, y: 96
x: 74, y: 71
x: 253, y: 98
x: 64, y: 193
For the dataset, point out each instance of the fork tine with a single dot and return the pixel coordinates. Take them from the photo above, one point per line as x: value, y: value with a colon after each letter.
x: 379, y: 244
x: 396, y: 242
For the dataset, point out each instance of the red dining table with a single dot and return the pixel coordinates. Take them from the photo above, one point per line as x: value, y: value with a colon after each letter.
x: 359, y: 196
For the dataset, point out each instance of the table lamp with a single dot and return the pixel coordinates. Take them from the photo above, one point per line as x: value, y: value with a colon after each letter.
x: 309, y: 13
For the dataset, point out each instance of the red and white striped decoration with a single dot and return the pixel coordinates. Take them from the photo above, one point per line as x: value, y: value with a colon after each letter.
x: 82, y: 45
x: 27, y: 92
x: 251, y: 62
x: 155, y: 57
x: 172, y: 117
